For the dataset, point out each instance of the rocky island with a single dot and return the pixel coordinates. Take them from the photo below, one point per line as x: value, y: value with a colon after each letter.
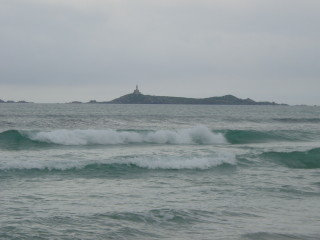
x: 11, y: 101
x: 138, y: 98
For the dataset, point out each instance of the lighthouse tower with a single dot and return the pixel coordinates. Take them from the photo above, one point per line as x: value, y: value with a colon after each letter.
x: 136, y: 91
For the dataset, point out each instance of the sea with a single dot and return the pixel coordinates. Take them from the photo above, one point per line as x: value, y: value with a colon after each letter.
x: 108, y: 171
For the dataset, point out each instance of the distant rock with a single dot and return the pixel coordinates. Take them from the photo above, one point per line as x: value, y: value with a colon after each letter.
x: 11, y: 101
x: 138, y: 98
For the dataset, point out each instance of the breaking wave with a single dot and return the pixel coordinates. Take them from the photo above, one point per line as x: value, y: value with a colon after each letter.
x: 123, y: 163
x: 200, y: 135
x: 305, y: 159
x: 252, y: 136
x: 196, y: 135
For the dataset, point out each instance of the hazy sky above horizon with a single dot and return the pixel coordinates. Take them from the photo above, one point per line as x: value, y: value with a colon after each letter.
x: 66, y: 50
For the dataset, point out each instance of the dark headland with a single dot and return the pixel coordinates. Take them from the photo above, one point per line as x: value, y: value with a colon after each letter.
x: 11, y: 101
x: 138, y: 98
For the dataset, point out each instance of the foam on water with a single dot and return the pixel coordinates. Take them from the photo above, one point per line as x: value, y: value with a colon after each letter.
x: 148, y: 162
x: 253, y: 173
x: 196, y: 135
x: 183, y: 162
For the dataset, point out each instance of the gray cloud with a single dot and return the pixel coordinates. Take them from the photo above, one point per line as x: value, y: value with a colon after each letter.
x: 265, y: 50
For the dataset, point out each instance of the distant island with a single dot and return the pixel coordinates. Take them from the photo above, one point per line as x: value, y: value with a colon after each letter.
x: 136, y: 97
x: 10, y: 101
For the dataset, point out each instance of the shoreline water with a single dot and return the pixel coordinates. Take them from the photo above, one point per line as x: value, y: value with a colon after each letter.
x: 152, y: 172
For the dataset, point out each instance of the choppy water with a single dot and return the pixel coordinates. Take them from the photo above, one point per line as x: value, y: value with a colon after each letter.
x: 159, y: 172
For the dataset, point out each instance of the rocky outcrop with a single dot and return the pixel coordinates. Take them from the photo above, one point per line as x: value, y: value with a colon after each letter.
x: 149, y: 99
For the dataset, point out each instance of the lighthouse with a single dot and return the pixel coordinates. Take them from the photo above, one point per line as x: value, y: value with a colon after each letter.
x: 136, y: 91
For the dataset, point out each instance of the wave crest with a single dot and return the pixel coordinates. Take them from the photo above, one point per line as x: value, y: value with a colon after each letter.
x: 196, y: 135
x: 161, y: 216
x: 165, y: 162
x: 252, y: 136
x: 305, y: 159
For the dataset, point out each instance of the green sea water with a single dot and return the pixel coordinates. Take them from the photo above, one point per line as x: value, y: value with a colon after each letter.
x: 100, y: 171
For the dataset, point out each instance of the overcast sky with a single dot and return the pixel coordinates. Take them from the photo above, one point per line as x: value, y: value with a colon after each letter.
x: 65, y: 50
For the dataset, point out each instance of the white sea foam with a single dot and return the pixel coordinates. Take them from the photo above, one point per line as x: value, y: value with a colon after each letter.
x: 144, y: 161
x: 196, y: 135
x: 166, y: 162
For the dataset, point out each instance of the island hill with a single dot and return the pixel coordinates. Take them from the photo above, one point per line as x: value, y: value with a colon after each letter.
x: 138, y: 98
x: 10, y: 101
